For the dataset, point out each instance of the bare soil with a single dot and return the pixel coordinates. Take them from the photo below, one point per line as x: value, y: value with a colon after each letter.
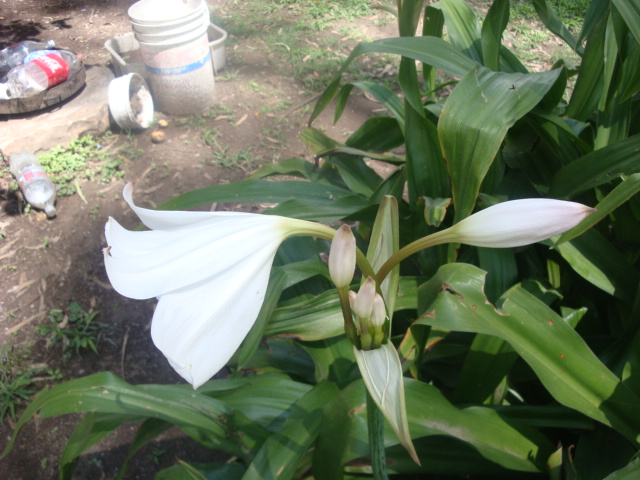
x: 46, y: 264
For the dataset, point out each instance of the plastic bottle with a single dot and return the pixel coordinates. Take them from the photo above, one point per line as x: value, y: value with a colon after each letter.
x: 34, y: 182
x: 41, y: 73
x: 13, y: 56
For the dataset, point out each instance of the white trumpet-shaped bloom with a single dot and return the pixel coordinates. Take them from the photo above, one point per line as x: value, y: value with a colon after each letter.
x: 518, y: 222
x: 210, y: 272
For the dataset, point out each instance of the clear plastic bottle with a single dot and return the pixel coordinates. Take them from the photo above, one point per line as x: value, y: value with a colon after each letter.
x: 13, y: 56
x: 34, y: 182
x: 41, y: 73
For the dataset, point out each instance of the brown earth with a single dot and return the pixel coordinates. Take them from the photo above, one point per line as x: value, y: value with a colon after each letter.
x: 46, y: 264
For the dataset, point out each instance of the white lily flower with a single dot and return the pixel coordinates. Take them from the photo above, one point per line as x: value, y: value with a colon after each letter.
x: 518, y: 222
x: 210, y: 272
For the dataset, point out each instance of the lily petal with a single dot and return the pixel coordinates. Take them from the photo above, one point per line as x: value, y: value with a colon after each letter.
x: 210, y: 271
x: 199, y: 327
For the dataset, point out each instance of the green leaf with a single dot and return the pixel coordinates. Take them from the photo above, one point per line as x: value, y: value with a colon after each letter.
x: 597, y: 168
x: 197, y: 414
x: 562, y: 361
x: 338, y: 439
x: 426, y: 168
x: 281, y: 453
x: 277, y: 392
x: 430, y: 50
x: 475, y: 119
x: 630, y: 12
x: 147, y: 432
x: 314, y: 319
x: 619, y: 195
x: 256, y: 191
x: 491, y: 35
x: 384, y: 242
x: 462, y: 26
x: 382, y: 374
x: 92, y: 428
x: 630, y: 472
x: 588, y: 89
x: 377, y: 134
x: 209, y: 471
x: 487, y: 363
x: 506, y: 442
x: 600, y: 263
x: 333, y: 359
x: 550, y: 20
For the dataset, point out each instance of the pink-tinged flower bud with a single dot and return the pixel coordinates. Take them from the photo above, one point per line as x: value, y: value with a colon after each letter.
x: 352, y: 299
x: 342, y: 257
x: 363, y: 304
x: 519, y: 222
x: 379, y: 313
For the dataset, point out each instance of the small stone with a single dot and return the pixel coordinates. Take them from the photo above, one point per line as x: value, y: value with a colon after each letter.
x: 157, y: 137
x: 163, y: 123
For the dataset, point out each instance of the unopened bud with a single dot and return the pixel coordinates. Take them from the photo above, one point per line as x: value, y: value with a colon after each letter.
x: 363, y: 304
x: 379, y: 313
x: 342, y: 257
x: 519, y: 222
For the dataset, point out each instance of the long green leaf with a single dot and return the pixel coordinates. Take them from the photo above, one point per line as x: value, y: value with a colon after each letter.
x: 430, y: 50
x: 597, y: 168
x: 475, y: 119
x: 548, y: 16
x: 630, y: 472
x: 563, y: 362
x: 106, y: 393
x: 630, y: 12
x: 280, y: 454
x: 463, y: 27
x: 256, y: 191
x: 619, y: 195
x: 492, y: 29
x: 600, y: 263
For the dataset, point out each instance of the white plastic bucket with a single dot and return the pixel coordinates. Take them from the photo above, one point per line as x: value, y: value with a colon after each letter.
x: 181, y: 75
x: 172, y: 24
x: 164, y: 12
x: 130, y: 102
x: 175, y: 34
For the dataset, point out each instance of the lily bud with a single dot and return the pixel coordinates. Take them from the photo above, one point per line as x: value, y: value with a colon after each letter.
x: 363, y: 304
x: 519, y: 222
x: 379, y: 313
x: 342, y: 257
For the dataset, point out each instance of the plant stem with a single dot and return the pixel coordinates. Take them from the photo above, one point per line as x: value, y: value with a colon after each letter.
x: 443, y: 236
x: 375, y: 424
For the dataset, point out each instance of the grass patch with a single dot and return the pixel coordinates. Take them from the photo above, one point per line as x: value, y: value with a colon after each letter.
x: 84, y: 158
x: 77, y: 330
x: 19, y: 379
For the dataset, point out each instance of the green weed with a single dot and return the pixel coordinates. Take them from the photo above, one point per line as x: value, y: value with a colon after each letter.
x: 81, y: 159
x: 18, y: 379
x: 77, y: 330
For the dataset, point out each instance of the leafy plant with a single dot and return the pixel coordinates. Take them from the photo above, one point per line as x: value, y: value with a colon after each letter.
x: 519, y: 362
x: 18, y: 381
x: 84, y: 158
x: 77, y: 330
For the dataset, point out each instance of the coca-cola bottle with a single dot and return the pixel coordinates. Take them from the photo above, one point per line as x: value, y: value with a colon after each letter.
x: 41, y: 73
x: 13, y: 56
x: 34, y: 182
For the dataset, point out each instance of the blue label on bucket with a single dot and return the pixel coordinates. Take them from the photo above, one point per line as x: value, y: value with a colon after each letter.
x: 179, y: 70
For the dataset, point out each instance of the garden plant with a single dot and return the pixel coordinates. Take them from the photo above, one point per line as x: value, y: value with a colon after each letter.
x: 482, y: 341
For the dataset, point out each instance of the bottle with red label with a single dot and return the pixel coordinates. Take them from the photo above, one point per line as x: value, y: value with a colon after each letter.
x: 13, y: 55
x: 42, y: 72
x: 34, y: 182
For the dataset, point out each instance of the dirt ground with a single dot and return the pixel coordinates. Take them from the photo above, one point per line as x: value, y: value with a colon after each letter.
x: 46, y: 264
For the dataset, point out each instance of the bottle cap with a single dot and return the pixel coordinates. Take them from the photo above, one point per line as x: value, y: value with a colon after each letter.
x: 50, y: 210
